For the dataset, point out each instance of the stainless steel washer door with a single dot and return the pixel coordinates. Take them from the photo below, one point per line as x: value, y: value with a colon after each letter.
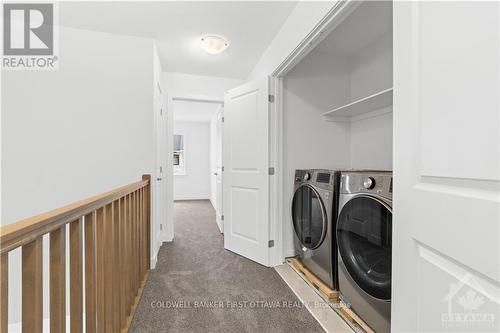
x: 364, y: 238
x: 309, y: 217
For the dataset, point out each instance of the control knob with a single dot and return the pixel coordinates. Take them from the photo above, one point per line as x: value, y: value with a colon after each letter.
x: 369, y: 183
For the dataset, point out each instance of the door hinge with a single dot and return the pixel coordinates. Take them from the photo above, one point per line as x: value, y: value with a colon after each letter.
x: 222, y: 119
x: 271, y: 98
x: 222, y: 168
x: 161, y: 169
x: 271, y: 171
x: 161, y: 226
x: 222, y: 217
x: 271, y: 243
x: 161, y: 112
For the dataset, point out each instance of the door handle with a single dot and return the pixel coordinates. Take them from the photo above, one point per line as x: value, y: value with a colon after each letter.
x: 215, y: 173
x: 158, y: 179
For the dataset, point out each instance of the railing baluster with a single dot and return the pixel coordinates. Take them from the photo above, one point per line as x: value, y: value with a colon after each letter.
x: 139, y: 233
x: 58, y: 280
x: 144, y: 233
x: 116, y: 266
x: 4, y: 292
x: 137, y: 239
x: 108, y: 259
x: 100, y: 271
x: 148, y: 217
x: 131, y: 249
x: 76, y: 275
x: 141, y: 240
x: 136, y: 246
x: 123, y: 263
x: 127, y: 255
x: 146, y: 230
x: 90, y: 273
x: 32, y: 295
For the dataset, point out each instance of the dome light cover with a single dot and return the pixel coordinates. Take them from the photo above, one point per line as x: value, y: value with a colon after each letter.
x: 213, y: 44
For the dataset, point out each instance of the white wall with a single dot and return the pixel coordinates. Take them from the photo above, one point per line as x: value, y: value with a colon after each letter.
x: 196, y: 183
x: 372, y: 68
x: 371, y: 143
x: 66, y: 134
x: 198, y: 86
x: 371, y: 138
x: 72, y: 133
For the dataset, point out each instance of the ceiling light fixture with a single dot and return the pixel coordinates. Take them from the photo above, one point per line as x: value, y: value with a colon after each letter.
x: 213, y: 44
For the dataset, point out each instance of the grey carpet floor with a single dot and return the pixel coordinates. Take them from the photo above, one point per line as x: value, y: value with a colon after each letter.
x: 196, y: 268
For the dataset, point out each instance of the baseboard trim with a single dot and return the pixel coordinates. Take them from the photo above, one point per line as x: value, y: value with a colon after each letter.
x: 219, y: 224
x: 154, y: 260
x: 194, y: 197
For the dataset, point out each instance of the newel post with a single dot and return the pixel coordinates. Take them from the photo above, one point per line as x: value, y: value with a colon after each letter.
x: 148, y: 218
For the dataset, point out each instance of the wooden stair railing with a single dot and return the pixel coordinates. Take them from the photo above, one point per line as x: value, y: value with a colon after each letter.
x: 113, y: 229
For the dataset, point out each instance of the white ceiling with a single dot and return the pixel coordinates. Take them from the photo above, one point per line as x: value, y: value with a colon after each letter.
x: 194, y: 111
x: 249, y: 26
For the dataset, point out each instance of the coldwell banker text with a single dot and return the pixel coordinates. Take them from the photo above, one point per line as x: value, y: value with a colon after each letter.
x: 29, y: 36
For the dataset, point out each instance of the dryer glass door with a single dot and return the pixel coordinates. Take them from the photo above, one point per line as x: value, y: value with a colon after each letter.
x: 364, y: 238
x: 309, y: 217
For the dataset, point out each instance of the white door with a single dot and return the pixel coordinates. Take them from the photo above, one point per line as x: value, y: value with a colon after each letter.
x: 218, y: 173
x: 446, y: 225
x: 246, y: 163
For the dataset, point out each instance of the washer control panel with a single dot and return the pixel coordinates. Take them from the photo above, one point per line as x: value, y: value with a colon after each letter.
x: 323, y: 179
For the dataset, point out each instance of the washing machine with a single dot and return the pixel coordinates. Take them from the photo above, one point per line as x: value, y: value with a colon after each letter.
x: 314, y: 211
x: 364, y: 240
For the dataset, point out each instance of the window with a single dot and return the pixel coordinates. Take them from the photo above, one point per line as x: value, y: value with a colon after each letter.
x: 179, y: 155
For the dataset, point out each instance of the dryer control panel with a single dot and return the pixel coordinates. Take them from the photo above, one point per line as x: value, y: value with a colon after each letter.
x: 370, y: 182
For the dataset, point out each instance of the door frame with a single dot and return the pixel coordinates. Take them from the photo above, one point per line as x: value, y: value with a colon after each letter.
x: 328, y: 23
x: 158, y: 232
x: 170, y: 135
x: 219, y: 127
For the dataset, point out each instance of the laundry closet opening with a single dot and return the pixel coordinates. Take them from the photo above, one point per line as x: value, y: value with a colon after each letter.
x: 337, y: 102
x: 197, y: 156
x: 337, y: 144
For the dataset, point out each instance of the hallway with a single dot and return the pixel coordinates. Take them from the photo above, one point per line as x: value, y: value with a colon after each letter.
x: 195, y: 268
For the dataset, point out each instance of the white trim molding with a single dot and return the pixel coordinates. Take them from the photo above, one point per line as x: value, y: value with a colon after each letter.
x: 192, y: 197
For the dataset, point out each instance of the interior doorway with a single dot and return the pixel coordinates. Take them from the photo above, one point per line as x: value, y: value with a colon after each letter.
x: 196, y: 151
